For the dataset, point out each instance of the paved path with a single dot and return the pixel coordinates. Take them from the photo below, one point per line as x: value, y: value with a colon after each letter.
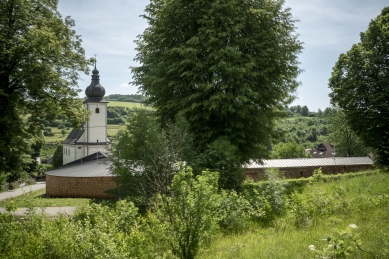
x: 50, y: 211
x: 22, y: 190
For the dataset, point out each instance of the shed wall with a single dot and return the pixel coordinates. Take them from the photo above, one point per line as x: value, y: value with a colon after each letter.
x: 81, y: 187
x: 298, y: 172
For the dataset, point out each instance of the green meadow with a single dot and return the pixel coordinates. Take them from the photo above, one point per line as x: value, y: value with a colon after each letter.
x: 330, y: 217
x: 130, y: 105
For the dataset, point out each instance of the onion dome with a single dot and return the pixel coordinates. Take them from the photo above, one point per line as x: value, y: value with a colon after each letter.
x: 95, y: 91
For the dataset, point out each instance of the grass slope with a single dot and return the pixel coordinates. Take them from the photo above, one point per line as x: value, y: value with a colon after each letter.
x: 39, y: 199
x: 363, y: 201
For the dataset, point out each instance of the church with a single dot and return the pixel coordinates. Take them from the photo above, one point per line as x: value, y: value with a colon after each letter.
x: 86, y: 168
x: 92, y: 137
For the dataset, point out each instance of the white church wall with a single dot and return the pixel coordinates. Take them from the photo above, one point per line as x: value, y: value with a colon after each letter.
x: 69, y: 153
x: 80, y: 151
x: 96, y: 127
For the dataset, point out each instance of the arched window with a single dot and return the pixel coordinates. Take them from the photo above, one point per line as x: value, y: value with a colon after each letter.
x: 97, y: 110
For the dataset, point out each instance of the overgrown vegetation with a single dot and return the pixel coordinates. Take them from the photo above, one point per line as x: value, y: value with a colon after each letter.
x: 270, y: 219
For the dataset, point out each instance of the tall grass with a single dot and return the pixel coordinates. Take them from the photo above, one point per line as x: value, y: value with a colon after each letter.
x: 325, y: 210
x: 269, y: 220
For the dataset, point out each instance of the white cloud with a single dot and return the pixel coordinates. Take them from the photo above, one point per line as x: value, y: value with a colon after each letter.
x: 124, y: 85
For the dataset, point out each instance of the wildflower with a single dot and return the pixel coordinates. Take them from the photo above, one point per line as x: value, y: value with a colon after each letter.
x: 311, y: 247
x: 353, y: 226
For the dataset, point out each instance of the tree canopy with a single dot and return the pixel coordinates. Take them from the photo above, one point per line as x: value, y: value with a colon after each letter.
x: 40, y: 57
x: 229, y: 68
x: 288, y: 150
x: 347, y: 143
x: 359, y: 85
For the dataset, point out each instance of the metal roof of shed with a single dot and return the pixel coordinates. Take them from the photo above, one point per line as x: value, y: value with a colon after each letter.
x: 306, y: 162
x: 86, y: 169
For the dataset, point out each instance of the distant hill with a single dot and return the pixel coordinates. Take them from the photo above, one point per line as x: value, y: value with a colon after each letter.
x: 136, y: 98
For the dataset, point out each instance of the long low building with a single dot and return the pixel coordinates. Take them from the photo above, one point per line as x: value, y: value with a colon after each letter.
x: 91, y: 176
x: 304, y: 167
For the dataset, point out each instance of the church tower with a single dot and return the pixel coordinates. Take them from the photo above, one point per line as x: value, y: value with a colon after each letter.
x: 93, y: 136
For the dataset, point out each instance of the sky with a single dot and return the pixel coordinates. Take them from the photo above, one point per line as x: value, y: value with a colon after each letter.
x: 327, y: 28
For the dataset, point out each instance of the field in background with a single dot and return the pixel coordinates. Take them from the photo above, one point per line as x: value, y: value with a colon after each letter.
x: 58, y: 137
x: 127, y: 105
x: 113, y: 129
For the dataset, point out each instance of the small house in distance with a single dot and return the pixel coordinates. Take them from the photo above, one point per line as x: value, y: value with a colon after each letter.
x: 322, y: 150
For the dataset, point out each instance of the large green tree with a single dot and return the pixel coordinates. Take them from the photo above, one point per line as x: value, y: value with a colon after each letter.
x: 40, y: 57
x: 347, y: 143
x: 228, y: 67
x: 288, y: 150
x: 360, y: 86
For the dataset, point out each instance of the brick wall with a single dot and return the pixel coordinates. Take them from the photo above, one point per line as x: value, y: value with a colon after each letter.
x: 86, y: 187
x: 297, y: 172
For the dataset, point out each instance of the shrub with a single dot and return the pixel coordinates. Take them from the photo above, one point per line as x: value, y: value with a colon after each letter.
x: 115, y: 121
x: 275, y: 191
x: 187, y: 214
x: 260, y: 208
x: 234, y: 212
x: 48, y: 133
x: 301, y: 209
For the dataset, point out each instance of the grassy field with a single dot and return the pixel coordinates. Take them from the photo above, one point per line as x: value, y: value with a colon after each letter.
x: 363, y: 201
x: 127, y: 105
x: 39, y: 199
x: 58, y: 137
x: 113, y: 129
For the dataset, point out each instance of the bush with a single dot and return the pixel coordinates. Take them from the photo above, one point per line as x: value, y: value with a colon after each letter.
x: 187, y: 214
x: 275, y: 192
x: 48, y: 133
x: 235, y: 212
x: 292, y: 184
x: 115, y: 121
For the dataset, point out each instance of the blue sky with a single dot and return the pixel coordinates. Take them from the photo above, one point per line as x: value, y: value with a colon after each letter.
x: 327, y: 28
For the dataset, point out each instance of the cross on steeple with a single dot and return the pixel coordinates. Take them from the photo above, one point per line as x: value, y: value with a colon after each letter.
x: 95, y: 60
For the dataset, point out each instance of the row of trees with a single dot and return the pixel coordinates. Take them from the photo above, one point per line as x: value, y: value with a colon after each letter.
x: 304, y: 111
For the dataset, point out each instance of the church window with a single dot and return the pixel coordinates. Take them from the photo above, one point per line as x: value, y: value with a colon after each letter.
x: 97, y: 110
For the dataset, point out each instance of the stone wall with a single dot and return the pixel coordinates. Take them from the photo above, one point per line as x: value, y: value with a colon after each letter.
x: 298, y: 172
x: 81, y: 187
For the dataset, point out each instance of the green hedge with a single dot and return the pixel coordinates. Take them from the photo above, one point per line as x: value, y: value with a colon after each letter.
x: 300, y: 182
